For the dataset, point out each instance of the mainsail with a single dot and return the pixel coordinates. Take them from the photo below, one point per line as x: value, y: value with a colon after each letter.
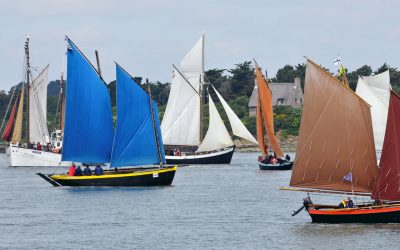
x: 375, y: 91
x: 387, y: 186
x: 238, y: 127
x: 135, y: 141
x: 217, y: 135
x: 89, y: 131
x: 17, y: 133
x: 260, y: 129
x: 38, y: 131
x: 335, y: 150
x: 265, y: 100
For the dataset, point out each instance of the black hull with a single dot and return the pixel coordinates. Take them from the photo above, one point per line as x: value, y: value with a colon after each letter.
x: 283, y: 166
x: 385, y: 215
x: 154, y: 177
x: 224, y: 158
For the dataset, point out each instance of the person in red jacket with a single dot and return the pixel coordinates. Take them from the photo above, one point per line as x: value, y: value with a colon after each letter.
x: 71, y: 171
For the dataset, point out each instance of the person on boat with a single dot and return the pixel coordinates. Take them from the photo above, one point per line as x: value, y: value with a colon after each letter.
x: 71, y: 171
x: 34, y: 146
x: 39, y: 146
x: 98, y: 170
x: 78, y: 171
x: 87, y: 171
x: 274, y: 160
x: 350, y: 203
x: 343, y: 204
x: 287, y: 157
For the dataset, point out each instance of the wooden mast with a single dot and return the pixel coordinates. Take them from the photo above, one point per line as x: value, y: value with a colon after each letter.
x: 28, y: 72
x: 62, y: 102
x: 201, y: 89
x: 154, y: 125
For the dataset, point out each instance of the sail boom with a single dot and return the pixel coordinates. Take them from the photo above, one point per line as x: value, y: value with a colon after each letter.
x: 324, y: 191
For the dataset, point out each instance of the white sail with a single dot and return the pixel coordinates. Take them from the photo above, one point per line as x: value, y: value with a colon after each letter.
x: 38, y: 131
x: 238, y: 127
x: 217, y: 136
x: 375, y: 90
x: 181, y: 121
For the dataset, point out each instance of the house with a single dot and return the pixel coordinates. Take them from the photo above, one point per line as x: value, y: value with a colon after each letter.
x: 283, y: 94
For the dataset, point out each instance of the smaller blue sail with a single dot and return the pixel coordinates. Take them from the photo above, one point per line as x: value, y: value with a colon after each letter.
x: 135, y: 138
x: 89, y: 127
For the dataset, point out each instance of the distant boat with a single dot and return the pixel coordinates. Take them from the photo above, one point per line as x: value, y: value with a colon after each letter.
x: 375, y: 90
x: 89, y: 131
x: 182, y: 124
x: 265, y: 127
x: 336, y: 153
x: 35, y: 95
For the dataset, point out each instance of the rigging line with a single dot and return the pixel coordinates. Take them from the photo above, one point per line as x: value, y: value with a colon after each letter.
x: 186, y: 80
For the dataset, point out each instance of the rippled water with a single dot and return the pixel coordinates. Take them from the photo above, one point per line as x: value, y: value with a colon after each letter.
x: 208, y: 207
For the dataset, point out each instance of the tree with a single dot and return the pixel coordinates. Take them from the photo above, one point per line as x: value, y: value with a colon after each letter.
x: 285, y: 74
x: 241, y: 80
x: 353, y: 76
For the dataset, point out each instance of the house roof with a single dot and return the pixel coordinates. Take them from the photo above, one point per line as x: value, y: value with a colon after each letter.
x: 279, y: 90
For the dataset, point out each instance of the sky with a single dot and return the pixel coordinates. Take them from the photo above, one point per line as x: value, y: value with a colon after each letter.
x: 147, y: 37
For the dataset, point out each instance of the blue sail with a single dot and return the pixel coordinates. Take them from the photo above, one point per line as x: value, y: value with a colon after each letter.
x: 135, y: 140
x: 88, y: 128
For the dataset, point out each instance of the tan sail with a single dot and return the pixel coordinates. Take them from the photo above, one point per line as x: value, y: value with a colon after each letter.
x: 260, y: 130
x: 265, y: 99
x: 335, y: 150
x: 17, y: 133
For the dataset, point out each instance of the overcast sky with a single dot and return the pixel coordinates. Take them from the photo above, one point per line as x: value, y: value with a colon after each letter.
x: 147, y: 37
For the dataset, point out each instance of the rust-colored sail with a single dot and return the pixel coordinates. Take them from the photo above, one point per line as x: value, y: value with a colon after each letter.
x: 387, y: 185
x: 265, y: 99
x: 335, y: 150
x: 7, y: 131
x: 260, y: 130
x: 17, y: 133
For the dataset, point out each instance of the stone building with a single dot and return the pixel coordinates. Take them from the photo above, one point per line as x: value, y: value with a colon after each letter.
x: 283, y: 94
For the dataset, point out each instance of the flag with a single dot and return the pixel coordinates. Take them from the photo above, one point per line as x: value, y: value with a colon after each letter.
x: 337, y: 61
x: 348, y: 177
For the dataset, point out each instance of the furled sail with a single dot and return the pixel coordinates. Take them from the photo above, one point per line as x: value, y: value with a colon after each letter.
x: 38, y: 131
x: 88, y: 128
x: 265, y: 99
x: 17, y: 133
x: 217, y: 135
x: 260, y: 130
x: 238, y: 127
x: 8, y: 129
x: 387, y: 185
x: 375, y: 91
x: 135, y: 139
x: 335, y: 149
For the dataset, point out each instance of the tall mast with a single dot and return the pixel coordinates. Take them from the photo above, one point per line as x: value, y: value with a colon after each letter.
x: 201, y: 89
x: 28, y: 72
x: 154, y: 125
x: 62, y: 102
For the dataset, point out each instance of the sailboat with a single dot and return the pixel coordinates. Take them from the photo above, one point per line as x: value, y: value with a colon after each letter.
x: 375, y: 90
x: 89, y: 130
x: 336, y: 153
x: 35, y: 92
x: 182, y: 124
x: 265, y: 126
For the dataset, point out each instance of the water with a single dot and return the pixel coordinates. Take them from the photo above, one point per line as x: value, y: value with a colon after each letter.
x: 208, y: 207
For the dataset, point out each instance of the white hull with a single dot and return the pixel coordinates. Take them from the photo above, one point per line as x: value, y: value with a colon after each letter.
x: 23, y: 157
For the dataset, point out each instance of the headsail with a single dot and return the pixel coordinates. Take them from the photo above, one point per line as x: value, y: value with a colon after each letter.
x: 88, y: 131
x: 265, y: 99
x: 335, y: 150
x: 38, y: 131
x: 135, y: 140
x: 17, y: 133
x: 238, y: 127
x: 217, y: 135
x: 375, y: 91
x: 387, y: 185
x: 181, y: 121
x: 8, y: 129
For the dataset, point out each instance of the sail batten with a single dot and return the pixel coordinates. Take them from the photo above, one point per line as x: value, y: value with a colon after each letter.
x: 335, y: 149
x: 88, y: 125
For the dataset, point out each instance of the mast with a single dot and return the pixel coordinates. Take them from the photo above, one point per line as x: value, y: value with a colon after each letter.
x: 28, y: 72
x: 201, y: 89
x: 98, y: 63
x: 154, y: 124
x: 62, y: 102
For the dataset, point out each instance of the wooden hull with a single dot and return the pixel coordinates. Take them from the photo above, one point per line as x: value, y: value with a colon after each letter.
x: 218, y: 157
x: 126, y: 177
x: 369, y: 214
x: 281, y: 166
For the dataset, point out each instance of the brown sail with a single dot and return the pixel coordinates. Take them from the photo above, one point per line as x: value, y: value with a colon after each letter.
x: 260, y: 130
x: 265, y: 100
x: 17, y: 133
x: 387, y: 185
x: 7, y: 131
x: 335, y: 150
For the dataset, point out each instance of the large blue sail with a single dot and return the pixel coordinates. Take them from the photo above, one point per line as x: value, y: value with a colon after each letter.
x: 135, y: 141
x: 88, y: 128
